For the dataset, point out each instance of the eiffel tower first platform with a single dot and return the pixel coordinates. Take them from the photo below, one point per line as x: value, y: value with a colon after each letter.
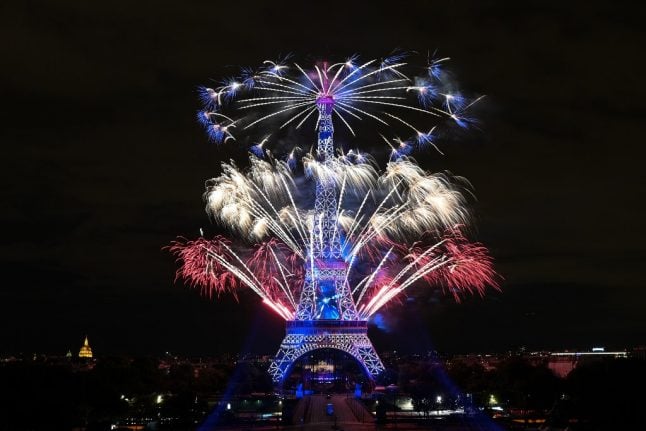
x: 304, y: 336
x: 326, y: 316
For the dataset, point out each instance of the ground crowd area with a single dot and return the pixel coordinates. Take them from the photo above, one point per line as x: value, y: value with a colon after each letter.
x: 174, y: 393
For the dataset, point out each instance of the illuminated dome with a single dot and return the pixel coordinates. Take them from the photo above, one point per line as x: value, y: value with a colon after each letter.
x: 86, y: 350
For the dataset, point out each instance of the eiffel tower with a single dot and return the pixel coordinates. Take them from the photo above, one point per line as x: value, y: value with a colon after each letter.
x: 326, y: 317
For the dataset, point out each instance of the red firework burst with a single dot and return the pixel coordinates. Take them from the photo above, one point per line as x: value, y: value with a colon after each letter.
x: 279, y: 270
x: 463, y: 266
x: 198, y: 267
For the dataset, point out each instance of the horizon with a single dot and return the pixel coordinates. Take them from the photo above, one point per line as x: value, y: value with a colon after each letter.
x: 186, y: 355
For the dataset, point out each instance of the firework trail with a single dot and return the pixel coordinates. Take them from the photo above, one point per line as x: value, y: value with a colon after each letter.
x: 396, y: 229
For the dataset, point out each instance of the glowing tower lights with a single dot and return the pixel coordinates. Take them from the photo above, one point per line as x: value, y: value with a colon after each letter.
x: 327, y: 266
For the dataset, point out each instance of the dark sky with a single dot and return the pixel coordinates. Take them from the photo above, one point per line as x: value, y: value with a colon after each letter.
x: 103, y: 164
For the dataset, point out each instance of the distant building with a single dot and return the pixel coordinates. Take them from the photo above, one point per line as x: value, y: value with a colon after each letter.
x: 562, y: 363
x: 321, y: 371
x: 86, y: 350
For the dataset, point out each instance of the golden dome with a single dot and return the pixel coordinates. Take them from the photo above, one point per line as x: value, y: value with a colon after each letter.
x: 86, y: 350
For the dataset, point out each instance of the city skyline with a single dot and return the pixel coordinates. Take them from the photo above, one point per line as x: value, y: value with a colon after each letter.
x: 73, y: 351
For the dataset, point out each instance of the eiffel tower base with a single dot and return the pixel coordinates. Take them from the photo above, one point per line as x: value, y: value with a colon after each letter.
x: 304, y: 336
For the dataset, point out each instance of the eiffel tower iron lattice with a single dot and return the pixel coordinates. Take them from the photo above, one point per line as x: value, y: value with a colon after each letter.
x: 306, y: 336
x: 326, y: 317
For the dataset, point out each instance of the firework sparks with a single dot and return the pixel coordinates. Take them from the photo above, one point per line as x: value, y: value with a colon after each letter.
x: 395, y: 229
x: 279, y: 94
x: 198, y: 268
x: 399, y: 204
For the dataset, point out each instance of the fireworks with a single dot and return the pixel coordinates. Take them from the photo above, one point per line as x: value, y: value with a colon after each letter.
x: 268, y: 200
x: 378, y: 213
x: 279, y: 95
x: 325, y: 234
x: 276, y: 274
x: 200, y: 269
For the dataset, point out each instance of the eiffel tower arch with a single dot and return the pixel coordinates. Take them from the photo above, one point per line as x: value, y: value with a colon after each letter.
x: 326, y: 316
x: 306, y: 336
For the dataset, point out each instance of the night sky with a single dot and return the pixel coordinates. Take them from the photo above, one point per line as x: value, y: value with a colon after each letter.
x: 103, y: 164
